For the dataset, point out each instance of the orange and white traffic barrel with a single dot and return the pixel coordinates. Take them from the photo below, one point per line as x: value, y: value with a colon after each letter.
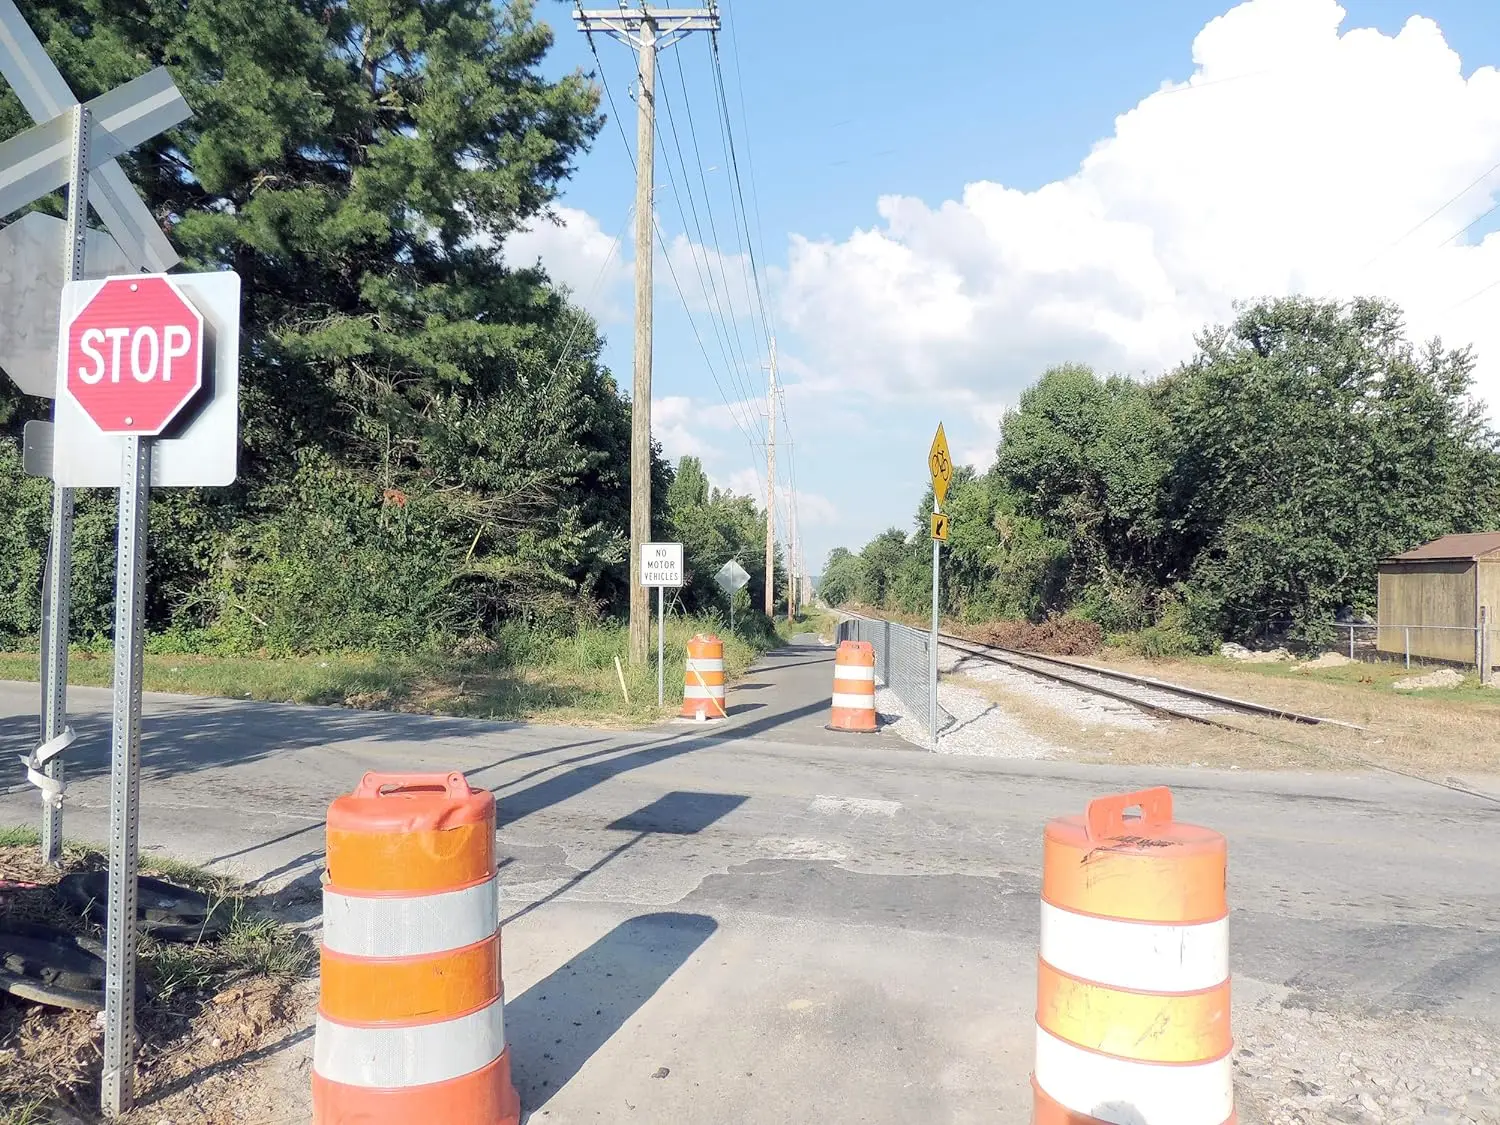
x: 1132, y: 1009
x: 411, y: 1016
x: 703, y: 680
x: 854, y: 688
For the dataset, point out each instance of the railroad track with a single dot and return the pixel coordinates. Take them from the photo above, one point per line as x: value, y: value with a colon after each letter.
x: 1156, y: 697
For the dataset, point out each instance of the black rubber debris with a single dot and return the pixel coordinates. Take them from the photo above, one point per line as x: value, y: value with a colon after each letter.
x: 51, y: 966
x: 165, y: 910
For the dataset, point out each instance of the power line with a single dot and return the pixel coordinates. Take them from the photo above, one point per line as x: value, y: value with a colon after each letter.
x: 709, y: 285
x: 727, y: 128
x: 697, y: 335
x: 630, y: 152
x: 712, y: 225
x: 1391, y: 246
x: 734, y: 53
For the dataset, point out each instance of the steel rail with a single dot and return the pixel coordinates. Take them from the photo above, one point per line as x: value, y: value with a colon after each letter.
x: 1026, y: 661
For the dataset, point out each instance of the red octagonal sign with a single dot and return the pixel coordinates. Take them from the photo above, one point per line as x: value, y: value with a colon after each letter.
x: 135, y: 355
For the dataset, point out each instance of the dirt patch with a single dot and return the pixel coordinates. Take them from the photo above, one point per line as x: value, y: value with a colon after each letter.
x: 1326, y: 660
x: 1442, y: 678
x: 1056, y: 636
x: 213, y: 1008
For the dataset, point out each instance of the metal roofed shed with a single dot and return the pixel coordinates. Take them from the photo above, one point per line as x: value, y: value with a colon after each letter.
x: 1430, y: 598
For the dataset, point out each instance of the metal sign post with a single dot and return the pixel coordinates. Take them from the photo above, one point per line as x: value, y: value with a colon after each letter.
x: 118, y: 1085
x: 57, y: 584
x: 661, y: 566
x: 731, y: 578
x: 941, y: 465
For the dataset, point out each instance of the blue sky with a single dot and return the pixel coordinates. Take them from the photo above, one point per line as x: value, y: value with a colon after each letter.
x: 1003, y: 245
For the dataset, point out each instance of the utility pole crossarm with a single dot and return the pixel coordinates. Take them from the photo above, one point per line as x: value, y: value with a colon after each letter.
x: 626, y: 23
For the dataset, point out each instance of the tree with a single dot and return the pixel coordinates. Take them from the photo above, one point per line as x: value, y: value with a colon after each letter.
x: 1088, y: 459
x: 1310, y: 439
x: 715, y: 526
x: 841, y: 579
x: 880, y: 562
x: 1256, y: 486
x: 405, y: 390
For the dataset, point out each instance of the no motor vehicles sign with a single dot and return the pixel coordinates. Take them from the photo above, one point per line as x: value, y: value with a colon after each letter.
x: 133, y: 356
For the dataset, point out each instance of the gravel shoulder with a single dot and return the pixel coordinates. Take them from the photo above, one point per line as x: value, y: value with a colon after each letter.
x: 1299, y: 1066
x: 1003, y: 712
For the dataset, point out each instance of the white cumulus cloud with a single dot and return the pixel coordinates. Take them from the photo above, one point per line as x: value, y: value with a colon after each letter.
x: 1298, y: 156
x: 578, y: 252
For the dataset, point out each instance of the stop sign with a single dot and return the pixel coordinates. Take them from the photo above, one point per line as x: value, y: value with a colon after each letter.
x: 134, y: 355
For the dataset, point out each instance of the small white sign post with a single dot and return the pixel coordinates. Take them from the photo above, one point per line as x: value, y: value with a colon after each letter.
x: 661, y: 566
x: 731, y: 579
x: 140, y: 359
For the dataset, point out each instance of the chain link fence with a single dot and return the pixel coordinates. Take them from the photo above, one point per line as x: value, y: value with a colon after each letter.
x: 1443, y: 644
x: 901, y: 663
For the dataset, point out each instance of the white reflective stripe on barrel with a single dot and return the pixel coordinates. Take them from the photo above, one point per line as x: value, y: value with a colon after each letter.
x: 693, y: 691
x: 854, y: 672
x: 695, y: 665
x: 394, y: 1057
x: 855, y: 702
x: 1127, y: 1093
x: 1140, y: 956
x: 409, y: 925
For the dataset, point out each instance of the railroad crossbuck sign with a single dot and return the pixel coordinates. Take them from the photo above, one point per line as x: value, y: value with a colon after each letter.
x: 942, y: 467
x: 133, y: 355
x: 940, y: 527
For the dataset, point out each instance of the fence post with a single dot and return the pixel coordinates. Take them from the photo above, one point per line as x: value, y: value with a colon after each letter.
x: 1351, y: 640
x: 1485, y: 656
x: 1406, y: 644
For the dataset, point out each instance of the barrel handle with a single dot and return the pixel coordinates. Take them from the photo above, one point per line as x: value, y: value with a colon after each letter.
x: 1105, y: 818
x: 382, y: 784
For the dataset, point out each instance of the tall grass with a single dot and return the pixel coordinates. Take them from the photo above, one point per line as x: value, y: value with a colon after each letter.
x: 520, y: 672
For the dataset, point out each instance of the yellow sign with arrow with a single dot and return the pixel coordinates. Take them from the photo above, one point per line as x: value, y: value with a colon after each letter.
x: 940, y: 527
x: 941, y: 465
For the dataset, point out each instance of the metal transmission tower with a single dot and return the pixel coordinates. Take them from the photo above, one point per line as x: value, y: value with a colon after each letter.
x: 647, y: 30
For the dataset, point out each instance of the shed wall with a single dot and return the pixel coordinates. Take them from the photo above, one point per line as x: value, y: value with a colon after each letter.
x: 1489, y: 595
x: 1432, y: 601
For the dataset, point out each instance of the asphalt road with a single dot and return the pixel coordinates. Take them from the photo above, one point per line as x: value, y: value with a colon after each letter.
x: 796, y: 925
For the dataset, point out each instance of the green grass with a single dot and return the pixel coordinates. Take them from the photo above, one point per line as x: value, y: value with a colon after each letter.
x: 522, y: 675
x: 809, y: 620
x: 1380, y: 676
x: 33, y: 1112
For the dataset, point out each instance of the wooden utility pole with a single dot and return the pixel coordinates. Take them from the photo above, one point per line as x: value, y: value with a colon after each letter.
x: 771, y: 487
x: 794, y: 558
x: 648, y: 31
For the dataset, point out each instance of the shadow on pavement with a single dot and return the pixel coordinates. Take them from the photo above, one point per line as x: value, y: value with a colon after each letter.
x: 557, y: 1024
x: 594, y: 769
x: 207, y: 733
x: 678, y: 814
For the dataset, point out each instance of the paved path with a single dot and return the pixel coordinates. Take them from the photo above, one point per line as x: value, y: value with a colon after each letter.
x: 802, y: 928
x: 787, y: 697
